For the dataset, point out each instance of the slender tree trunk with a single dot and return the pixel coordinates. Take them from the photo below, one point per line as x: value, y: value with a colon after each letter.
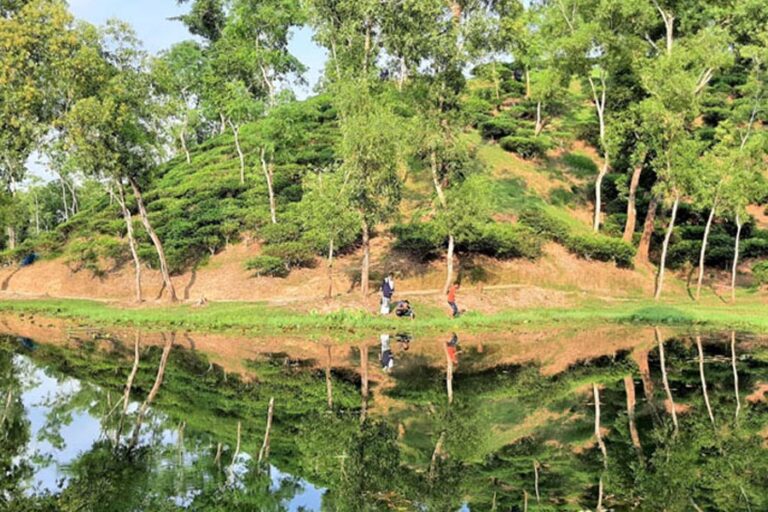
x: 665, y: 380
x: 536, y: 466
x: 223, y: 124
x: 11, y: 233
x: 269, y: 175
x: 449, y: 263
x: 329, y: 380
x: 264, y: 452
x: 665, y: 247
x: 436, y: 179
x: 363, y: 382
x: 448, y: 375
x: 643, y: 249
x: 437, y: 452
x: 703, y: 252
x: 73, y: 195
x: 599, y: 193
x: 496, y: 81
x: 539, y: 123
x: 599, y: 507
x: 330, y: 268
x: 598, y: 433
x: 129, y: 385
x: 629, y: 388
x: 64, y: 197
x: 183, y: 139
x: 704, y: 380
x: 525, y: 500
x: 237, y: 452
x: 634, y: 183
x: 236, y: 132
x: 735, y: 266
x: 366, y: 268
x: 131, y: 240
x: 527, y: 83
x: 735, y: 375
x: 152, y: 392
x: 155, y: 240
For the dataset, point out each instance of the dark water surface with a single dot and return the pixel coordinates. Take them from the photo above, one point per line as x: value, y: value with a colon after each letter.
x: 616, y: 419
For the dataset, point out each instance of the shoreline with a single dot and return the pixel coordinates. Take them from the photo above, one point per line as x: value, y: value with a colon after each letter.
x: 260, y: 319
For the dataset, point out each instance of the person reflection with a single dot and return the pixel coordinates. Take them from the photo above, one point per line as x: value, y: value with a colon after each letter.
x: 387, y: 359
x: 451, y: 349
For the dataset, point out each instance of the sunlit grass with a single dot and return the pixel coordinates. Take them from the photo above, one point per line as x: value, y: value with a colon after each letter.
x: 263, y: 319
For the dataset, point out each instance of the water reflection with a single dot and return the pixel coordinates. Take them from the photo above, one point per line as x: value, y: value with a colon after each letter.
x: 677, y: 422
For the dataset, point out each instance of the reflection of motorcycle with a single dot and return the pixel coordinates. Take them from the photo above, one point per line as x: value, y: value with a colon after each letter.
x: 26, y: 343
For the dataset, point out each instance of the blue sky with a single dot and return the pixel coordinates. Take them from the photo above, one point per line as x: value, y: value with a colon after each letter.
x: 150, y: 20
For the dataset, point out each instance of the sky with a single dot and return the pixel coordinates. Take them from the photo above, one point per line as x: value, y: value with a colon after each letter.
x: 151, y: 19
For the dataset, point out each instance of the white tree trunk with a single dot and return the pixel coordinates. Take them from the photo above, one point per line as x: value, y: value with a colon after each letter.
x: 264, y: 452
x: 665, y: 380
x: 131, y: 240
x: 735, y: 375
x: 735, y: 258
x: 155, y: 240
x: 629, y: 226
x: 449, y: 263
x: 665, y: 247
x: 704, y: 380
x: 599, y: 194
x: 598, y: 433
x: 269, y: 175
x: 703, y: 252
x: 236, y: 131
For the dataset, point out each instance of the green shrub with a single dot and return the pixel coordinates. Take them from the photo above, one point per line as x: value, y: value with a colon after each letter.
x: 267, y: 266
x: 505, y: 241
x: 280, y: 233
x: 526, y: 146
x: 421, y: 239
x: 293, y: 254
x: 589, y: 245
x: 498, y: 127
x: 581, y: 165
x: 760, y: 272
x: 544, y: 224
x: 602, y: 248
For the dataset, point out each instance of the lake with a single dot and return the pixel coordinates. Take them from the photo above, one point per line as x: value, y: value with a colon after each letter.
x: 606, y: 417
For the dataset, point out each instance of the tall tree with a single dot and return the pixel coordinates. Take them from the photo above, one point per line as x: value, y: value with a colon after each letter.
x: 38, y: 40
x: 114, y: 135
x: 371, y: 155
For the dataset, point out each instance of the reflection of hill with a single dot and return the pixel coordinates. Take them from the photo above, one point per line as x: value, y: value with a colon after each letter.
x: 523, y: 409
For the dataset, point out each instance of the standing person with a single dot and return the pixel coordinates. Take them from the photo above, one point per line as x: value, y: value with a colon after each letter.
x: 387, y: 291
x: 455, y: 287
x: 387, y: 358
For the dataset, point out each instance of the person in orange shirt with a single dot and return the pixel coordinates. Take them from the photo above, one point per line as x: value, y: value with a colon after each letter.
x: 452, y: 299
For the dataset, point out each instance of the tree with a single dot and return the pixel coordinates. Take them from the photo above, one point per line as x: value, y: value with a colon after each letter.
x: 371, y: 154
x: 38, y: 40
x: 114, y: 134
x: 327, y: 214
x: 178, y: 78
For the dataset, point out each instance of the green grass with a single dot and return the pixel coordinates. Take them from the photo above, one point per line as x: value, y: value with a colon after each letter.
x: 264, y: 320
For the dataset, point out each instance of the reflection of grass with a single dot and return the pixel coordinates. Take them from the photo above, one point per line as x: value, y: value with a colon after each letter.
x: 262, y: 319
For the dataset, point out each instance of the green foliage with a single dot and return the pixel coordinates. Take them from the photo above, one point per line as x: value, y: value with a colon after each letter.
x: 526, y: 146
x: 585, y: 245
x: 277, y: 260
x: 426, y: 241
x: 760, y: 272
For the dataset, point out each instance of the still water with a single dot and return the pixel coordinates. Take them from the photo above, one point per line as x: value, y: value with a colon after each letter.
x: 595, y: 419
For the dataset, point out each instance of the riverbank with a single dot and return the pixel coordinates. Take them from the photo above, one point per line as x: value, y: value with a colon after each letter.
x: 261, y: 319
